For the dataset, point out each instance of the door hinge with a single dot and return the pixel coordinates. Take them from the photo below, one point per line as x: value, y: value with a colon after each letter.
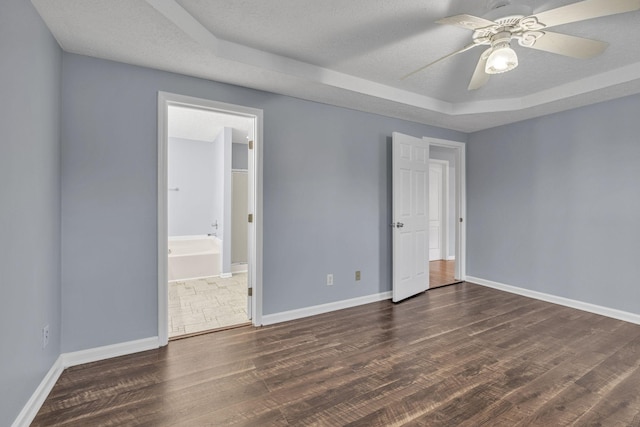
x: 460, y: 219
x: 250, y: 292
x: 250, y: 218
x: 250, y: 145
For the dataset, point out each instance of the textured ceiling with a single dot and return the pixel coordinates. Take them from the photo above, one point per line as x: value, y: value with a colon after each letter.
x: 353, y: 54
x: 205, y: 125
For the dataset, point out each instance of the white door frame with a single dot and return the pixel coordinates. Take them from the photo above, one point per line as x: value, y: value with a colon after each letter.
x: 444, y: 223
x: 166, y: 99
x: 461, y: 202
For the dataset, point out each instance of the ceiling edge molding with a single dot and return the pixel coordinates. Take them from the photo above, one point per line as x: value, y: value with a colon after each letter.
x: 283, y: 65
x: 242, y: 54
x: 584, y: 86
x: 186, y: 22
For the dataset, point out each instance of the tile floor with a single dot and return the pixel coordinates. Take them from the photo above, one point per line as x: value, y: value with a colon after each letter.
x: 202, y: 304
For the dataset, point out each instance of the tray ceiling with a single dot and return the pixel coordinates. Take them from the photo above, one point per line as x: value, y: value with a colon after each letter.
x: 353, y: 54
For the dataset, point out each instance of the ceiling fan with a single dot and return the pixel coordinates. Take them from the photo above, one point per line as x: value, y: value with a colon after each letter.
x: 530, y: 32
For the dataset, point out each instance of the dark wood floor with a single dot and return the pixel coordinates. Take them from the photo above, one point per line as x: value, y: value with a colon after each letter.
x: 461, y: 355
x: 441, y: 273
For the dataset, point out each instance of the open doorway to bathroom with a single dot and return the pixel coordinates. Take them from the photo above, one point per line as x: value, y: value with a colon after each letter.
x: 210, y: 183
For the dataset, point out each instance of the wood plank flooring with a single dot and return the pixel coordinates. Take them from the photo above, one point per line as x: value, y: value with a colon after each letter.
x: 461, y: 355
x: 441, y: 273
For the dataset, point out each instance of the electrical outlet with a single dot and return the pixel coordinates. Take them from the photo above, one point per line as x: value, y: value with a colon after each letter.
x: 357, y: 275
x: 45, y: 336
x: 329, y: 279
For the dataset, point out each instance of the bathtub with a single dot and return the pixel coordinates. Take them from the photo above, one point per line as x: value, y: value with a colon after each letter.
x: 192, y: 257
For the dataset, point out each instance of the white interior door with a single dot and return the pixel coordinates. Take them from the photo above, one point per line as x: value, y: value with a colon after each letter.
x: 436, y: 230
x: 410, y: 173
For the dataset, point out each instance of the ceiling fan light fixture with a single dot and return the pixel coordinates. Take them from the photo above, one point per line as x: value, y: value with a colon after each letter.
x: 501, y: 59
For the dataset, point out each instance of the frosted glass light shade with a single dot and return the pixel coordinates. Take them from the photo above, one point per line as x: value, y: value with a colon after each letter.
x: 501, y: 60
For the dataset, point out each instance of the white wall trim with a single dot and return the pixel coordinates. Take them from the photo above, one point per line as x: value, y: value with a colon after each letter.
x: 33, y: 405
x: 108, y: 351
x: 451, y: 258
x: 191, y: 278
x: 163, y: 220
x: 240, y: 267
x: 66, y: 360
x: 567, y: 302
x: 226, y: 275
x: 284, y: 316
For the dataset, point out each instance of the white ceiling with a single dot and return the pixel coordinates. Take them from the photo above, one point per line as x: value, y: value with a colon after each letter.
x: 206, y: 125
x: 353, y: 53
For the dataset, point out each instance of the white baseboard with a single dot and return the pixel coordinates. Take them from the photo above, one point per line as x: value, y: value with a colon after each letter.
x: 567, y: 302
x: 241, y: 267
x: 66, y: 360
x: 31, y: 408
x: 226, y: 275
x: 270, y: 319
x: 451, y: 258
x: 192, y: 278
x: 108, y: 351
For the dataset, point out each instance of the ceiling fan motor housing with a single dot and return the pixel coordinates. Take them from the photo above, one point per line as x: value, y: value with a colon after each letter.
x: 525, y: 29
x: 501, y: 39
x: 496, y: 4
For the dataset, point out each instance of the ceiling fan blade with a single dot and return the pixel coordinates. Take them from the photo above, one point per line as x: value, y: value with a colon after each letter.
x: 469, y: 22
x: 583, y: 10
x: 480, y: 77
x: 464, y: 49
x: 564, y: 44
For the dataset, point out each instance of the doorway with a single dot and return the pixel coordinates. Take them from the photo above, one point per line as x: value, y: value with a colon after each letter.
x: 446, y: 207
x: 441, y: 235
x: 412, y: 237
x: 209, y: 206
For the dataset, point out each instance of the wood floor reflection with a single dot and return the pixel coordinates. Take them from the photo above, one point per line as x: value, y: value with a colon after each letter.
x: 441, y: 273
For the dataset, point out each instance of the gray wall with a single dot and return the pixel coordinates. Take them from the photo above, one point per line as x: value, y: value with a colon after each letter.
x: 191, y: 170
x: 554, y: 202
x: 326, y: 197
x: 240, y: 156
x: 443, y: 153
x: 30, y: 203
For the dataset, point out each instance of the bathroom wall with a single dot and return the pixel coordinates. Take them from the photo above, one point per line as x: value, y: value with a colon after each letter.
x: 240, y: 156
x: 190, y: 170
x: 30, y: 86
x: 199, y: 174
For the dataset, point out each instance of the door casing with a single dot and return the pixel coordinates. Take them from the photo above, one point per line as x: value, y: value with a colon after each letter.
x: 255, y: 203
